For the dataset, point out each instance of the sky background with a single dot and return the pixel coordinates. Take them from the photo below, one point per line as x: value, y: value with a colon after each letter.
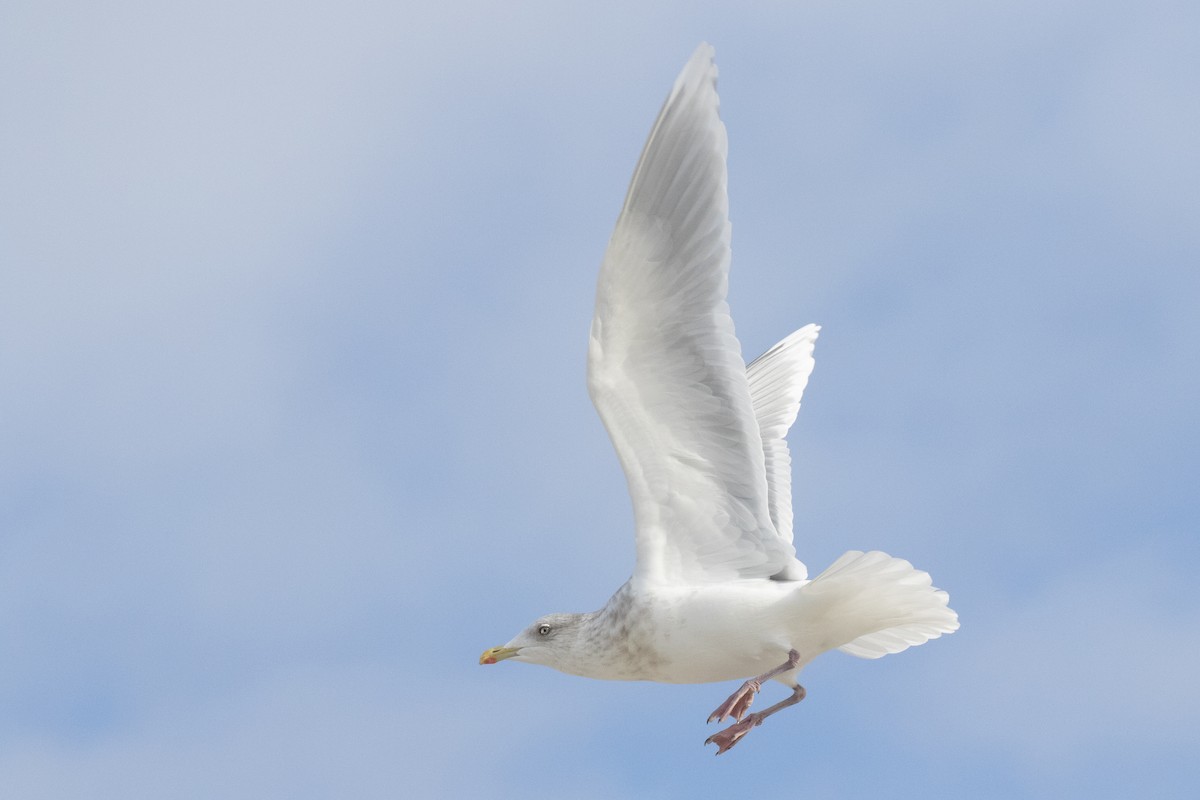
x: 294, y: 300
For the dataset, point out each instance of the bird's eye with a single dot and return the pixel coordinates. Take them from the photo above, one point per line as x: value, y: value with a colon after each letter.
x: 543, y: 630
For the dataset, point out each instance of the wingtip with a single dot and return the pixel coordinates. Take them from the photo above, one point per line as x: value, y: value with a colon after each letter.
x: 810, y: 332
x: 702, y: 62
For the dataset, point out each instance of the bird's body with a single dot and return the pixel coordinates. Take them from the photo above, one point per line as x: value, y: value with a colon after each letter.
x: 665, y: 633
x: 706, y: 633
x: 717, y: 593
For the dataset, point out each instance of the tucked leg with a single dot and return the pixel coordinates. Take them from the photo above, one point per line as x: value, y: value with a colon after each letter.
x: 730, y: 736
x: 739, y: 702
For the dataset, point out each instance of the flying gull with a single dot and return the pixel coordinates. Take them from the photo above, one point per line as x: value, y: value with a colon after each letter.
x: 717, y: 593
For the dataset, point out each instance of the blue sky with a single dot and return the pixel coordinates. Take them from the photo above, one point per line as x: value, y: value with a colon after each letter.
x: 293, y: 311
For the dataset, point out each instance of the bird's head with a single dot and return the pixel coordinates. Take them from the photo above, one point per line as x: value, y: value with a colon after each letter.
x: 549, y: 641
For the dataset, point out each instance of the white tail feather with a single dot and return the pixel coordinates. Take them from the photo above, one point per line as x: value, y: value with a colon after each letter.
x: 872, y: 605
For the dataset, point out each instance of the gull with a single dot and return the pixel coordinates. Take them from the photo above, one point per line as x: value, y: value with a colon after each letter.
x: 717, y: 593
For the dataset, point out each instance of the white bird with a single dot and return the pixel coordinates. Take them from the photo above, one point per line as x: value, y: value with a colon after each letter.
x: 717, y: 593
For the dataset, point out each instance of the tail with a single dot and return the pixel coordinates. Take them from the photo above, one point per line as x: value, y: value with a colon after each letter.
x: 871, y: 604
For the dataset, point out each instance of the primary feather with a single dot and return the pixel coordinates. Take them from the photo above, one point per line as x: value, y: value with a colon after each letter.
x: 665, y: 370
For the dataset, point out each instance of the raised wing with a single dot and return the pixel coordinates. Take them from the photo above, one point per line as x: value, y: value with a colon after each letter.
x: 664, y: 367
x: 777, y: 379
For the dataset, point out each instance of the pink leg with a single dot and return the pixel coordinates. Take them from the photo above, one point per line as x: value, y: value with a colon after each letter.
x: 739, y: 702
x: 730, y: 736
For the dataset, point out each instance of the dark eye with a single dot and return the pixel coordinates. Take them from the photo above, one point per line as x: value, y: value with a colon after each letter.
x: 543, y: 630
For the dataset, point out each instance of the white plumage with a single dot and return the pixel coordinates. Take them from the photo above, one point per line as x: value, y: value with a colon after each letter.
x: 717, y: 592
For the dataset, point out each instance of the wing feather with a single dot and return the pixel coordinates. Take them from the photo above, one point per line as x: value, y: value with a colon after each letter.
x: 665, y: 370
x: 777, y: 379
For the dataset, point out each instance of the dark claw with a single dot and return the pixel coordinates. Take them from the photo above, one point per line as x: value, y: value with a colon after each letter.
x: 727, y: 738
x: 738, y: 703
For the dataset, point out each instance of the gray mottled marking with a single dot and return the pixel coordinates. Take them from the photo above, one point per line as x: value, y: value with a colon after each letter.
x: 621, y: 638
